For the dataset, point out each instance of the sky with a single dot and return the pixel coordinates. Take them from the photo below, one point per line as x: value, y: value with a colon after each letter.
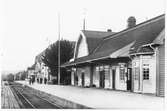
x: 29, y: 26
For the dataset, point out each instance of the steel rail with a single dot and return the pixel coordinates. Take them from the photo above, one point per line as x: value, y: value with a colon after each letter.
x: 51, y: 102
x: 25, y: 98
x: 60, y: 107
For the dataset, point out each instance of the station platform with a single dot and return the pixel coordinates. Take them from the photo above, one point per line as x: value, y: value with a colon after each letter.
x: 8, y: 101
x: 101, y: 98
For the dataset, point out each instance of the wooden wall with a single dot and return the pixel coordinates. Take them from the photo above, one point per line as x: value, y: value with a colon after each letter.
x: 161, y: 86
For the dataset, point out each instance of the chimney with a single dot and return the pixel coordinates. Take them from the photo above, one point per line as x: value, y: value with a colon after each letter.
x: 109, y: 30
x: 131, y: 22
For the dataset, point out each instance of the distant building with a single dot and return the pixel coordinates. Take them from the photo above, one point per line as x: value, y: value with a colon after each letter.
x: 41, y: 70
x: 129, y: 60
x: 31, y: 71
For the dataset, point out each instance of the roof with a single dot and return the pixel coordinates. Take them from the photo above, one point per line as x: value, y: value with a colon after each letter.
x: 93, y: 38
x: 96, y: 34
x: 142, y: 34
x: 129, y: 39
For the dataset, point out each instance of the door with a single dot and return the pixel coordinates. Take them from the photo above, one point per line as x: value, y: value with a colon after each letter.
x: 129, y: 79
x: 75, y: 79
x: 113, y: 78
x: 83, y: 79
x: 102, y: 79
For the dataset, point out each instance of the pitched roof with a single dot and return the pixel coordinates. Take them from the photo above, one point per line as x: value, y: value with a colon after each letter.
x: 96, y: 34
x: 93, y: 38
x: 142, y: 34
x: 135, y: 37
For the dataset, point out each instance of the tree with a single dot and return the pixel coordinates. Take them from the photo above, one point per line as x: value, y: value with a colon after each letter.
x: 50, y: 58
x: 17, y: 76
x: 10, y: 77
x: 23, y: 75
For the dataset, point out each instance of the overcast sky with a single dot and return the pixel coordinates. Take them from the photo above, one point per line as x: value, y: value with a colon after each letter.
x: 30, y: 25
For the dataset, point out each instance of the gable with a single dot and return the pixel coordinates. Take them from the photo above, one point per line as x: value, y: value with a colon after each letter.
x: 160, y: 38
x: 88, y: 41
x: 81, y: 48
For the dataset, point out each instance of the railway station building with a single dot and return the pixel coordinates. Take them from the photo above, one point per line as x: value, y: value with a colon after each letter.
x: 129, y: 60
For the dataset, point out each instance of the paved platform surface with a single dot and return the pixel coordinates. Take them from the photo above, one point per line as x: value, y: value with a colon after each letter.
x: 8, y: 100
x: 102, y: 99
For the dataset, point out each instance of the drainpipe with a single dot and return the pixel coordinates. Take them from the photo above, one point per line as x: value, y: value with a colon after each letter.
x: 141, y: 74
x: 152, y: 47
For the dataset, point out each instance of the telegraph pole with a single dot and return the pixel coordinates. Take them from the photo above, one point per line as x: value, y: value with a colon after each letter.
x: 59, y: 48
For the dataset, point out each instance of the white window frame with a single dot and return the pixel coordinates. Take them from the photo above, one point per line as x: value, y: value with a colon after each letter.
x: 146, y: 71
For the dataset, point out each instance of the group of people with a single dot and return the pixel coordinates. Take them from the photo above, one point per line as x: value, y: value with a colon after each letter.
x: 31, y: 80
x: 39, y: 80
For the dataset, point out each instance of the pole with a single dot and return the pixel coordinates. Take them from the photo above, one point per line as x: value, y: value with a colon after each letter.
x: 84, y: 24
x: 84, y: 18
x: 59, y: 48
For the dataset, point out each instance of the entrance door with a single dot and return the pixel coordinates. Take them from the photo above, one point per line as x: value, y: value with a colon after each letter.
x: 83, y: 79
x: 75, y: 79
x: 102, y: 79
x: 129, y: 79
x: 113, y: 78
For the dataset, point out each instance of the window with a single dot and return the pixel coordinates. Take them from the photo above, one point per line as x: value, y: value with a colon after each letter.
x: 136, y: 69
x: 136, y: 73
x: 122, y: 71
x: 145, y: 73
x: 106, y: 68
x: 101, y: 68
x: 106, y: 72
x: 97, y: 68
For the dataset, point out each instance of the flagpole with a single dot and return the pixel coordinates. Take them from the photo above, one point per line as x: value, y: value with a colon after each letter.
x: 59, y: 48
x: 84, y: 18
x: 84, y: 24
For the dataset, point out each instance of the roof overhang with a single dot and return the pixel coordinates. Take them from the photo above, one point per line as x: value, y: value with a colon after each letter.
x: 123, y: 52
x: 142, y: 53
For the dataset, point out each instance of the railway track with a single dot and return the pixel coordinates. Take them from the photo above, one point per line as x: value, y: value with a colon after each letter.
x: 29, y: 99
